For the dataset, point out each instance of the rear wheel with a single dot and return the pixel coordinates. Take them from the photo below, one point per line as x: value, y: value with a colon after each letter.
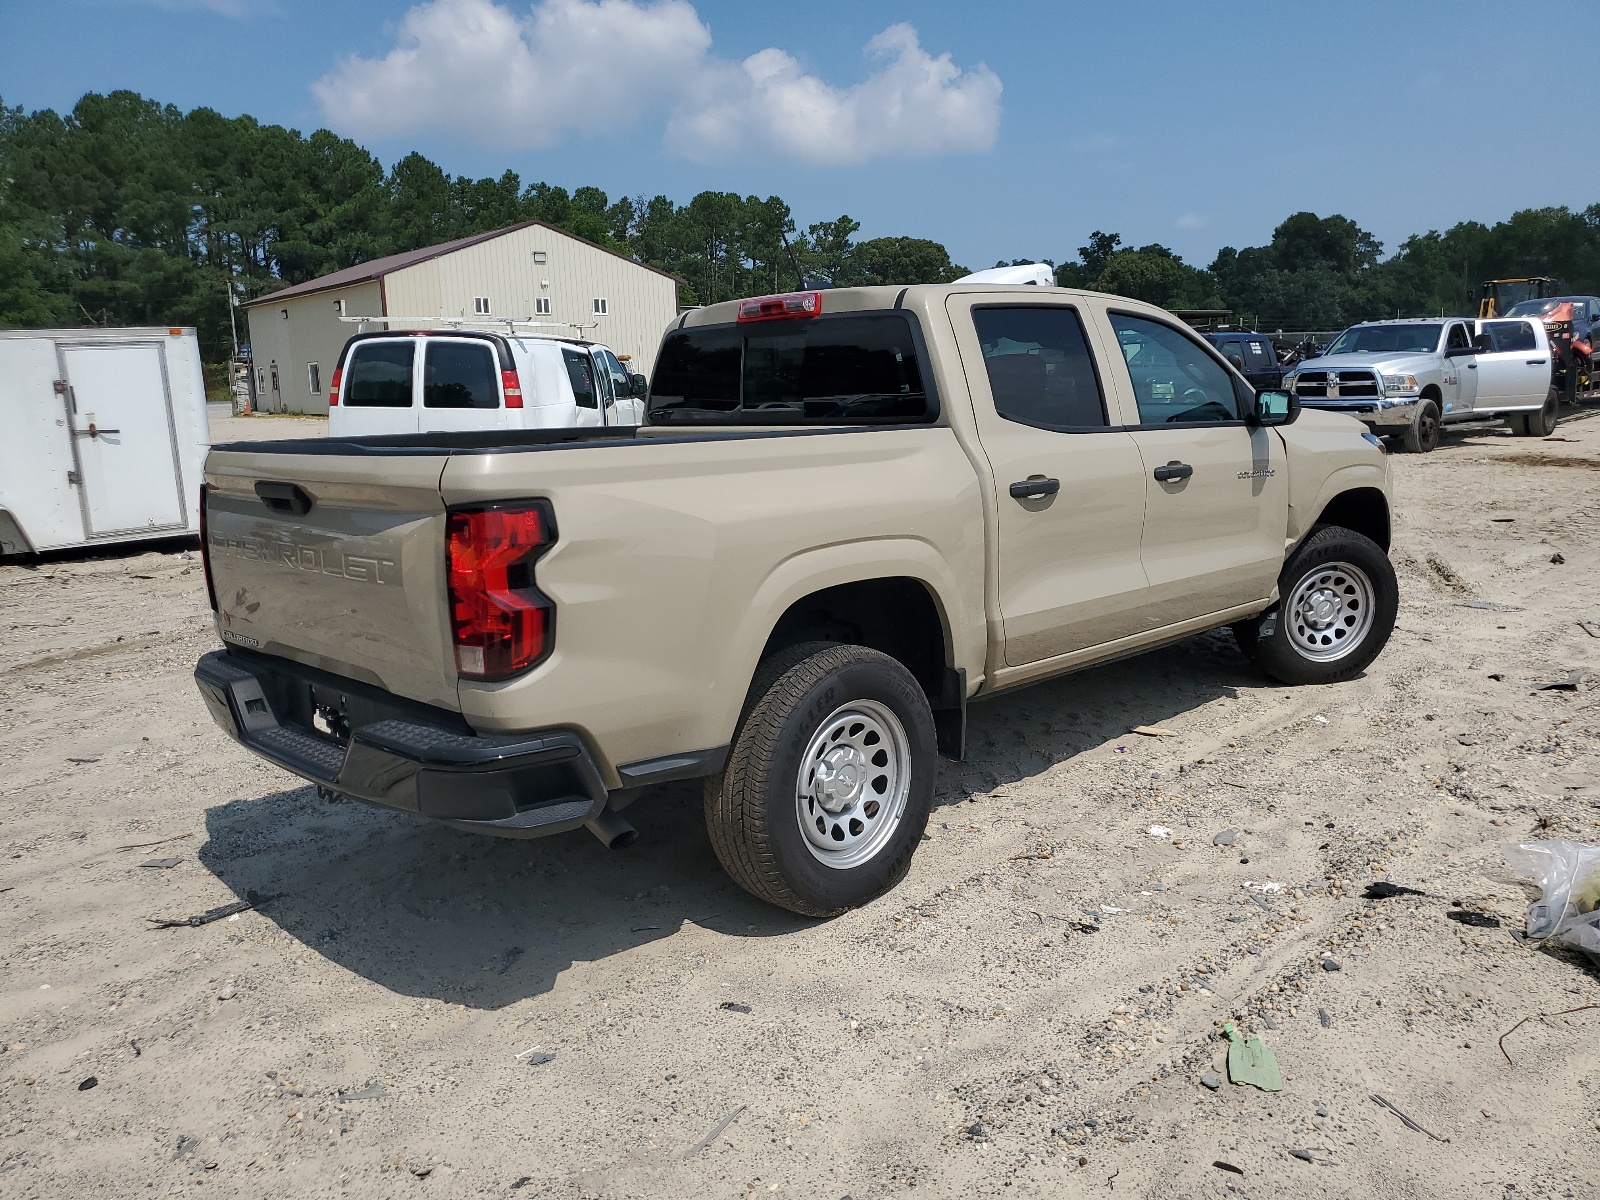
x: 829, y: 781
x: 1338, y: 601
x: 1541, y: 423
x: 1423, y: 433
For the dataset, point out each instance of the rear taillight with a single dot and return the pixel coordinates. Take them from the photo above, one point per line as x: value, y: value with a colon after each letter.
x: 511, y: 384
x: 333, y: 388
x: 205, y: 551
x: 501, y: 624
x: 777, y: 308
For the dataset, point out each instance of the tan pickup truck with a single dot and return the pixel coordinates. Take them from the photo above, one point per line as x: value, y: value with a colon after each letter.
x: 849, y: 514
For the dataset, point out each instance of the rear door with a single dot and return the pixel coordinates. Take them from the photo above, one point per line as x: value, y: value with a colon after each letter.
x: 1516, y: 373
x: 122, y: 424
x: 1069, y: 484
x: 379, y: 388
x: 461, y: 385
x: 1216, y: 507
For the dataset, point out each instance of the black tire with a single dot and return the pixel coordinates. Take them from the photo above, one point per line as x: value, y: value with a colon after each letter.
x: 1518, y: 424
x: 753, y: 807
x: 1542, y: 423
x: 1422, y: 435
x: 1280, y: 641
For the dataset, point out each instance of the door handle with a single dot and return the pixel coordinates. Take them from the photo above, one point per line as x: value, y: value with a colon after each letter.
x: 93, y: 431
x: 1173, y: 470
x: 1032, y: 489
x: 1537, y: 362
x: 1472, y: 366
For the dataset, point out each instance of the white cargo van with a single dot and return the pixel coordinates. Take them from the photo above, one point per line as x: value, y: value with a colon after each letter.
x: 443, y: 380
x: 102, y: 436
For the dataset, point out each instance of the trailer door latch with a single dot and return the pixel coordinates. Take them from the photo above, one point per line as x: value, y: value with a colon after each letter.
x: 74, y: 478
x: 61, y: 387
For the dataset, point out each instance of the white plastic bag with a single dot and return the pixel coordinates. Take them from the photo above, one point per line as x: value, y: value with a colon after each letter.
x: 1569, y: 875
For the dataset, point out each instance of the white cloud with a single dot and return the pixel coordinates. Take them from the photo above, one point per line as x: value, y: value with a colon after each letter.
x: 1192, y: 220
x: 914, y: 104
x: 478, y: 69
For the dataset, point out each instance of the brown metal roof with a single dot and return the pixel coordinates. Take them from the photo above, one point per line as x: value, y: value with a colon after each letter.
x: 379, y: 267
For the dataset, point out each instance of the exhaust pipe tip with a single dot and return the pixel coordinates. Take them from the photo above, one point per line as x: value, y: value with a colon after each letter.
x: 614, y: 833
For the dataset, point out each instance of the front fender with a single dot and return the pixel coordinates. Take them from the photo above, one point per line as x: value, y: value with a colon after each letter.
x: 1306, y: 506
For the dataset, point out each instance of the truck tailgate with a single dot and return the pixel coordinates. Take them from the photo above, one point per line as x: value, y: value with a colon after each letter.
x: 335, y: 562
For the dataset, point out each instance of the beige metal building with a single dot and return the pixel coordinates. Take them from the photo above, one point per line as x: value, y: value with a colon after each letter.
x: 531, y: 271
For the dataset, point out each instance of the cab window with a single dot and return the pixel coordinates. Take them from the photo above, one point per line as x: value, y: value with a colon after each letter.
x: 1175, y: 382
x: 580, y: 370
x: 1039, y: 366
x: 1510, y: 335
x: 1258, y: 355
x: 1458, y: 339
x: 619, y: 374
x: 379, y: 375
x: 460, y: 374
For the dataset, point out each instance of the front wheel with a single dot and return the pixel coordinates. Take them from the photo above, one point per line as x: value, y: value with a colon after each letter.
x: 1422, y: 435
x: 1338, y: 601
x: 1541, y: 423
x: 829, y: 781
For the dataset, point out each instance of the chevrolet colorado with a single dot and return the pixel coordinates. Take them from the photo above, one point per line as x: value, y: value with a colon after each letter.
x: 848, y: 514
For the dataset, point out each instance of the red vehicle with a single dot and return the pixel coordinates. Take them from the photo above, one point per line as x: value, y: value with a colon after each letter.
x: 1573, y: 323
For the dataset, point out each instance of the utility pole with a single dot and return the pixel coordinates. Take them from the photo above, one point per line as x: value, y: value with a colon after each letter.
x: 233, y: 325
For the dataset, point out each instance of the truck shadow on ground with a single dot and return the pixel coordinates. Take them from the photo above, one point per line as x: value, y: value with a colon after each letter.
x: 428, y: 911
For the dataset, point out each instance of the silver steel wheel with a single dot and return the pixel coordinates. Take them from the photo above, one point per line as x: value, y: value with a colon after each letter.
x: 1330, y: 612
x: 853, y: 783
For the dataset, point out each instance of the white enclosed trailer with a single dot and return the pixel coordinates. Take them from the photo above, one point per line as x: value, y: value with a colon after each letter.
x: 102, y: 436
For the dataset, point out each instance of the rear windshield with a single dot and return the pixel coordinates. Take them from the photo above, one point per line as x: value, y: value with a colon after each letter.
x: 1387, y: 339
x: 1535, y: 308
x: 1510, y: 335
x: 379, y: 375
x: 460, y: 374
x: 847, y: 369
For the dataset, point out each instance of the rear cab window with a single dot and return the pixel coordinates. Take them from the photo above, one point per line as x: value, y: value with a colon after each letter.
x: 1510, y: 335
x: 378, y: 375
x: 1039, y: 366
x: 848, y: 368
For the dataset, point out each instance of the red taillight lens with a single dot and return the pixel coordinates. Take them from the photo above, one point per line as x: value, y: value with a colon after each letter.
x: 333, y: 388
x: 501, y: 624
x: 777, y: 308
x: 205, y: 551
x: 511, y: 384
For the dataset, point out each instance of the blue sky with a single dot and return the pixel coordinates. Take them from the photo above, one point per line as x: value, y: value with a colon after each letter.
x: 1163, y: 121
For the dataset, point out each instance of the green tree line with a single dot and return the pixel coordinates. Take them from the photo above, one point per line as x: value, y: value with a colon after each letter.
x: 127, y: 211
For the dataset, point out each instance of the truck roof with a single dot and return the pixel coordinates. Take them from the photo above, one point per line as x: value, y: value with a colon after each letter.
x: 882, y: 296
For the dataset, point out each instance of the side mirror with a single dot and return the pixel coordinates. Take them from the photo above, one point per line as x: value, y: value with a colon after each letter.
x: 638, y: 385
x: 1277, y: 408
x: 1482, y: 344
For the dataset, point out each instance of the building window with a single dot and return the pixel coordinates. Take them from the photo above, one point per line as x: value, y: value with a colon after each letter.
x: 314, y: 378
x: 284, y: 312
x: 599, y: 306
x: 540, y: 256
x: 541, y: 306
x: 338, y: 307
x: 480, y: 305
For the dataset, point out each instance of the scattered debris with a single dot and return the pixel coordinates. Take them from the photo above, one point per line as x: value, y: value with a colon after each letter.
x: 1382, y: 890
x: 1565, y: 1012
x: 1324, y: 1016
x: 1332, y: 964
x: 1570, y: 684
x: 88, y: 1083
x: 1159, y: 831
x: 1592, y: 628
x: 177, y: 837
x: 535, y: 1057
x: 421, y: 1170
x: 734, y: 1006
x: 1266, y: 888
x: 714, y: 1134
x: 1266, y: 1019
x: 1226, y: 837
x: 644, y: 928
x: 185, y: 1147
x: 1047, y: 852
x: 1083, y: 927
x: 1211, y: 1080
x: 1111, y: 909
x: 82, y: 762
x: 1155, y: 731
x: 1120, y: 750
x: 205, y: 918
x: 1405, y: 1120
x: 1558, y: 559
x: 373, y: 1091
x: 1476, y: 919
x: 977, y: 1132
x: 1320, y: 719
x: 1488, y: 605
x: 1302, y: 1155
x: 161, y: 864
x: 1249, y: 1061
x: 1568, y: 909
x: 228, y: 991
x: 1228, y: 1166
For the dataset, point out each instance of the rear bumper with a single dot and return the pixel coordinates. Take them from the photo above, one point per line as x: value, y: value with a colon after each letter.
x: 521, y: 785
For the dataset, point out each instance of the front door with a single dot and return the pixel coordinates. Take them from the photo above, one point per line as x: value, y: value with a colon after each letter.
x: 1461, y: 371
x: 1216, y: 508
x: 1516, y: 372
x: 1069, y: 489
x: 122, y: 423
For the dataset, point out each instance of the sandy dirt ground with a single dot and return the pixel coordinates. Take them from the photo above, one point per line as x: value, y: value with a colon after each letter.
x: 1031, y: 1013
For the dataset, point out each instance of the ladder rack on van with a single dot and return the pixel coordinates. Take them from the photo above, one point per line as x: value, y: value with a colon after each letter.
x: 510, y: 325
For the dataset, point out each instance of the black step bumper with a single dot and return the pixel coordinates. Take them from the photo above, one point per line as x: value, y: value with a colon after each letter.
x: 522, y: 785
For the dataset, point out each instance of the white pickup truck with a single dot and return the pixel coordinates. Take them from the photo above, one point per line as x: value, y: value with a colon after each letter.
x: 849, y: 514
